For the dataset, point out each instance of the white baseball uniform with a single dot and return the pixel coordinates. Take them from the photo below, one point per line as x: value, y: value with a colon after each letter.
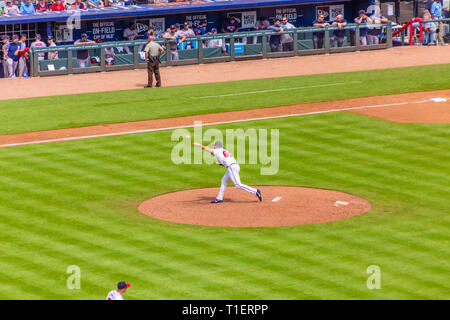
x: 226, y: 159
x: 114, y: 295
x: 130, y: 35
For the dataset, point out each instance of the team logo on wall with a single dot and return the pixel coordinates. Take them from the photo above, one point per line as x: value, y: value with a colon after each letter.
x: 157, y: 24
x: 330, y: 12
x: 245, y: 19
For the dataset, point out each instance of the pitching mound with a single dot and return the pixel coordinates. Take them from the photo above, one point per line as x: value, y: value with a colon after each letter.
x: 281, y: 206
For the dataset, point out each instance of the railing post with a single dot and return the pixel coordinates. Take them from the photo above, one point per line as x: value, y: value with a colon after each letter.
x: 389, y: 34
x: 327, y: 40
x: 295, y: 46
x: 102, y: 59
x: 264, y: 45
x: 168, y: 52
x: 69, y: 61
x: 200, y: 50
x: 232, y: 54
x: 135, y: 55
x: 357, y: 38
x: 33, y: 67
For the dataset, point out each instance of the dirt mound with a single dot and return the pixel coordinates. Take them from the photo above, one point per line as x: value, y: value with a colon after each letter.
x: 281, y: 206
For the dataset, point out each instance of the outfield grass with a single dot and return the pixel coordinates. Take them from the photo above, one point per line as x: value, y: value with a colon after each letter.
x: 75, y: 203
x: 68, y: 111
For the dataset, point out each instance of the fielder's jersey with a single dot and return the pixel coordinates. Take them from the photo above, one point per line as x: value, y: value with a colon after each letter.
x: 114, y: 295
x: 224, y: 157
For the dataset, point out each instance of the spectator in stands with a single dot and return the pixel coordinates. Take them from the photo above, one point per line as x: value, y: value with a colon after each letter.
x: 429, y: 31
x: 187, y: 32
x: 174, y: 39
x: 53, y: 55
x: 1, y: 12
x: 95, y: 4
x: 275, y: 40
x: 10, y: 8
x: 83, y: 55
x: 12, y: 56
x: 58, y: 6
x: 317, y: 36
x: 262, y: 24
x: 338, y: 34
x: 27, y: 7
x: 373, y: 37
x: 363, y: 18
x: 77, y: 5
x: 41, y: 6
x: 436, y: 13
x: 23, y: 56
x: 287, y: 39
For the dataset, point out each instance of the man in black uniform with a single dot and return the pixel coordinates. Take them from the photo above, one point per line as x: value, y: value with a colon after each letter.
x: 152, y: 52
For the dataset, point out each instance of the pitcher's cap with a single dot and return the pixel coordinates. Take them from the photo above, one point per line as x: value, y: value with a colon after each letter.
x: 218, y: 144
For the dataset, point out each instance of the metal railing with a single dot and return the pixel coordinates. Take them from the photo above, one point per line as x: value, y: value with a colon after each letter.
x: 207, y: 49
x: 405, y: 35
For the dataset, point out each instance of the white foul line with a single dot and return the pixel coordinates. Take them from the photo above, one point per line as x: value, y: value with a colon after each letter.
x: 208, y: 124
x: 275, y: 90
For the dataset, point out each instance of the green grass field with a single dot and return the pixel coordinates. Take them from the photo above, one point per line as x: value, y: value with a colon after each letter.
x: 68, y: 111
x: 75, y: 203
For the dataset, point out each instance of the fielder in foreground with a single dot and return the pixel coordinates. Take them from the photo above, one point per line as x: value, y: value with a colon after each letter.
x: 227, y: 160
x: 122, y: 287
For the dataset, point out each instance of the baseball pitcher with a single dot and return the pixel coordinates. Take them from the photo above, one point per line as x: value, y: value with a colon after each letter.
x: 227, y: 160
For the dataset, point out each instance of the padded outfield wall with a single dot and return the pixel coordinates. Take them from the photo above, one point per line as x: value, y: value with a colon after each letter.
x: 108, y: 24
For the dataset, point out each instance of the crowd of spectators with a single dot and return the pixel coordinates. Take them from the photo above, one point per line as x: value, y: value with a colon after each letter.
x: 33, y: 6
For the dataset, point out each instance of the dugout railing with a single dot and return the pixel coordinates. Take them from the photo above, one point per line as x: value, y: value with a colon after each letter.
x: 404, y: 37
x: 207, y: 49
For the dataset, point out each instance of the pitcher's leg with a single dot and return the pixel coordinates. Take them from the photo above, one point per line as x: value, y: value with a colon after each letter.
x: 223, y: 185
x: 234, y: 176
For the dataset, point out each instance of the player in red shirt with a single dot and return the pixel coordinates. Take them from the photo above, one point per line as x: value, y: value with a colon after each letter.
x: 58, y: 6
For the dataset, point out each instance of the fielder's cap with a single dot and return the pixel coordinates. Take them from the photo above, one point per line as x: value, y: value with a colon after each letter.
x: 84, y: 35
x: 177, y: 25
x: 361, y: 12
x: 38, y: 36
x: 173, y: 26
x: 218, y: 144
x: 122, y: 285
x: 15, y: 37
x: 50, y: 38
x: 186, y: 23
x: 5, y: 37
x: 213, y: 30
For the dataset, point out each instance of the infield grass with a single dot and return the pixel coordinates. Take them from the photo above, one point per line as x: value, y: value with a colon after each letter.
x: 75, y: 203
x: 69, y: 111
